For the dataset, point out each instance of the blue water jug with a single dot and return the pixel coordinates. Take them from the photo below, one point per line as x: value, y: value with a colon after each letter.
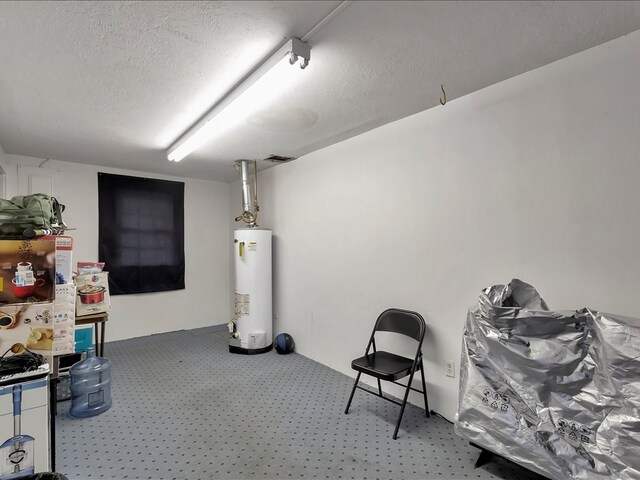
x: 90, y: 386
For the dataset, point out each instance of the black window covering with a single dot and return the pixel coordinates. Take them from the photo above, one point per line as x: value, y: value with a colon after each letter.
x: 141, y: 233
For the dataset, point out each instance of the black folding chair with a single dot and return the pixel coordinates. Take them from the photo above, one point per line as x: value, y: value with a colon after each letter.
x: 389, y: 366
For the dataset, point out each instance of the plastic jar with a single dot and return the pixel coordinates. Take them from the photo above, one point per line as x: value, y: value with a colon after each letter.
x: 90, y: 386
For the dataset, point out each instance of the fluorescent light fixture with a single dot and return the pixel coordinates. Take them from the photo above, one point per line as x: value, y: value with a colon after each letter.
x: 251, y: 94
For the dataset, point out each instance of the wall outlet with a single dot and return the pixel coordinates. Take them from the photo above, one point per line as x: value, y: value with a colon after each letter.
x: 451, y: 369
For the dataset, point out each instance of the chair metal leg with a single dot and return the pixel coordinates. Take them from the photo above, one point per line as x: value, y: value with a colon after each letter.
x: 424, y: 390
x: 346, y: 410
x: 379, y: 386
x: 404, y: 403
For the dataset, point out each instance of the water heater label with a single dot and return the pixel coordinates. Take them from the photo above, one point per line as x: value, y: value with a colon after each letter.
x: 252, y: 246
x: 242, y: 304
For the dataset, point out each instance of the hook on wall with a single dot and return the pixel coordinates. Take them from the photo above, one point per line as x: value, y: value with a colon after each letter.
x: 443, y: 101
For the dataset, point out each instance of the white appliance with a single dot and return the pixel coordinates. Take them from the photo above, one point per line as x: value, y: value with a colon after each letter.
x: 251, y: 329
x: 253, y: 325
x: 24, y: 425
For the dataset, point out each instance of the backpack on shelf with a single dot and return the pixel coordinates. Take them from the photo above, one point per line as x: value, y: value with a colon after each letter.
x: 30, y: 212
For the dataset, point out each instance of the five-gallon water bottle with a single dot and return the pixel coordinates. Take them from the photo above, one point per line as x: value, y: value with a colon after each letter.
x: 90, y: 386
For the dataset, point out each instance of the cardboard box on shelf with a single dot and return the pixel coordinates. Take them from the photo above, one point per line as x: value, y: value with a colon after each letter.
x: 30, y: 325
x: 27, y: 270
x: 64, y: 257
x: 92, y: 294
x: 64, y: 319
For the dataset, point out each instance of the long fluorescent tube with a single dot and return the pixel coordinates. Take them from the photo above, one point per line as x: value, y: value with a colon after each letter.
x: 250, y: 95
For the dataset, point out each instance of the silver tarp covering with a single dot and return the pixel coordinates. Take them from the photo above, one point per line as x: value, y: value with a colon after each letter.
x: 556, y: 392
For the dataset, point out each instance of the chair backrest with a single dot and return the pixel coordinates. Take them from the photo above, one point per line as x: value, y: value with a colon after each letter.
x: 400, y: 321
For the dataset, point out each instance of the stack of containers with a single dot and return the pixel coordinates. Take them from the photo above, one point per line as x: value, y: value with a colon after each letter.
x: 27, y: 291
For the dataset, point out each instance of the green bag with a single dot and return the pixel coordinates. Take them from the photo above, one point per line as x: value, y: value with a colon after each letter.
x: 37, y: 211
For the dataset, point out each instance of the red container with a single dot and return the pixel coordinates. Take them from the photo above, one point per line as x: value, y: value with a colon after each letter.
x: 24, y: 291
x: 94, y: 294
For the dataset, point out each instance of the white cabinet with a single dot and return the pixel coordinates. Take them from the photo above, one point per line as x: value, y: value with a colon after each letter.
x: 24, y: 428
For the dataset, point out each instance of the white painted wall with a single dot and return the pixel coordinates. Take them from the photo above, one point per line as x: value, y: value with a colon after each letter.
x: 3, y: 168
x: 204, y: 301
x: 537, y: 177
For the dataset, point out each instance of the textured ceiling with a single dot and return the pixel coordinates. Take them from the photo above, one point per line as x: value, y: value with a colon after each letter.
x: 115, y: 83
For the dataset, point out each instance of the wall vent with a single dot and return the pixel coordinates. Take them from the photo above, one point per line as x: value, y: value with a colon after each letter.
x: 279, y: 159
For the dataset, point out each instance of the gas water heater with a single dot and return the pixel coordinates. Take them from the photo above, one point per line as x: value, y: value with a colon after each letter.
x: 251, y: 329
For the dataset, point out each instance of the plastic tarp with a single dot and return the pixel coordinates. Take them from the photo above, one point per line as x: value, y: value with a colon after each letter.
x: 557, y: 392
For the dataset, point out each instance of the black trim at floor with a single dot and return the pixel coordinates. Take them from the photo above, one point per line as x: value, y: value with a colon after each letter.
x: 252, y: 351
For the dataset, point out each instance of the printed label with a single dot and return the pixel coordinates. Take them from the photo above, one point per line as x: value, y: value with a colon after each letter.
x: 242, y: 304
x: 495, y: 400
x: 575, y: 433
x: 96, y: 398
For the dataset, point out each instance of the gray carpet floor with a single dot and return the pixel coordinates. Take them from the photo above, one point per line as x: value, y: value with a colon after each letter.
x: 186, y: 408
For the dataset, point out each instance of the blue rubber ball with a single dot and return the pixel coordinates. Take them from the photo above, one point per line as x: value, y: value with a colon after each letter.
x: 284, y: 343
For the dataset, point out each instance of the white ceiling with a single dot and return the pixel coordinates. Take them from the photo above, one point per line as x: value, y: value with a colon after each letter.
x: 115, y: 83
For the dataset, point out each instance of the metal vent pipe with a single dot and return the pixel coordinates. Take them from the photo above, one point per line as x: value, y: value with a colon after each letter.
x: 247, y: 197
x: 250, y: 206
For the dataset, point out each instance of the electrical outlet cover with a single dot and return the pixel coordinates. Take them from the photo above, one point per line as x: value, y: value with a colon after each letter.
x: 451, y: 369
